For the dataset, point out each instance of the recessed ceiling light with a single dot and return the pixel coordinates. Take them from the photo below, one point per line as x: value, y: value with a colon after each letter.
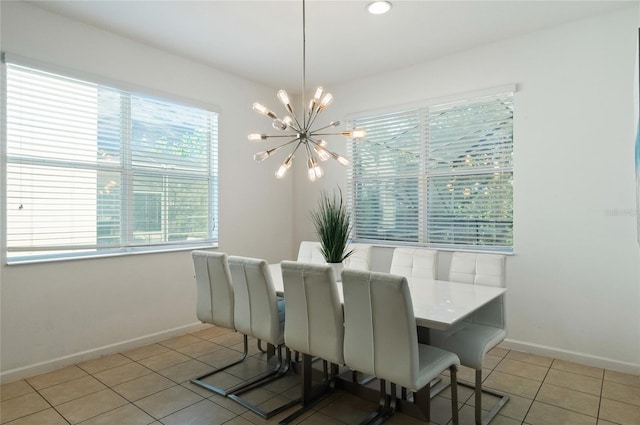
x: 379, y: 7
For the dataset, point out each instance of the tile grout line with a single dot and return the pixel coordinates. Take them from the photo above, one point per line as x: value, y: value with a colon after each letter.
x: 600, y: 398
x: 537, y: 392
x: 47, y: 401
x: 52, y: 406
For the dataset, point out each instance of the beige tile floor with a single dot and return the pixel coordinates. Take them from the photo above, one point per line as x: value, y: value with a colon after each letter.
x: 150, y: 385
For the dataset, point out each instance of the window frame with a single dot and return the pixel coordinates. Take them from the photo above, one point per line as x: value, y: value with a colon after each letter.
x: 424, y: 175
x: 212, y: 149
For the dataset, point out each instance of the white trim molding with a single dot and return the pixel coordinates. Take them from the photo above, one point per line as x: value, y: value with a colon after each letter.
x: 572, y: 356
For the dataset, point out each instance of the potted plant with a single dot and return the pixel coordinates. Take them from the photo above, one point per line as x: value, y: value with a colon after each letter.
x: 333, y: 226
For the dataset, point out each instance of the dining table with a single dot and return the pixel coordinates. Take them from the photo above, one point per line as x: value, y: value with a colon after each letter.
x: 437, y: 304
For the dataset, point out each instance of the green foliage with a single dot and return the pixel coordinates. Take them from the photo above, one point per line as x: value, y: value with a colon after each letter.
x: 333, y: 226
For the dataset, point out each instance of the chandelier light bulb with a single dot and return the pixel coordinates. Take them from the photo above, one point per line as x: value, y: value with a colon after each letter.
x: 318, y: 94
x: 326, y: 100
x: 323, y: 155
x: 342, y: 160
x: 357, y: 133
x: 282, y: 171
x: 284, y: 97
x: 259, y: 108
x: 261, y: 156
x: 287, y: 120
x: 279, y: 124
x: 254, y: 137
x: 314, y: 172
x: 311, y: 174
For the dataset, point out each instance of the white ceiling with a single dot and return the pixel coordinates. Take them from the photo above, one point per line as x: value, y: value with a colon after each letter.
x: 262, y: 40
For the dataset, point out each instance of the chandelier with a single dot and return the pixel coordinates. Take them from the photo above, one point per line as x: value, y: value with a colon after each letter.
x: 299, y: 130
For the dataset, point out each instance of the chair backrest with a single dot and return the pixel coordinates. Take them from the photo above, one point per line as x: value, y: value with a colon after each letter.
x: 412, y: 262
x: 215, y: 300
x: 256, y: 310
x: 309, y: 252
x: 315, y: 322
x: 380, y: 335
x: 482, y: 269
x: 361, y: 257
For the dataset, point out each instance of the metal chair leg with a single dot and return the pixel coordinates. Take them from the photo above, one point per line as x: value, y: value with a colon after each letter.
x: 313, y: 395
x: 453, y: 374
x: 504, y: 398
x: 200, y: 379
x: 387, y: 406
x: 258, y: 380
x: 282, y: 369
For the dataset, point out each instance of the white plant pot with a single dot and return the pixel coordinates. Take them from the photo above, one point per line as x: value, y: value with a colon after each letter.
x: 337, y: 270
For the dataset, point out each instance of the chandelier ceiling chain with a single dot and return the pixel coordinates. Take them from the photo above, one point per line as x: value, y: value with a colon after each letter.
x: 300, y: 131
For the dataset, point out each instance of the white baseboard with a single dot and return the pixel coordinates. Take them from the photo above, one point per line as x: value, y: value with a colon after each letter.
x: 572, y: 356
x: 50, y: 365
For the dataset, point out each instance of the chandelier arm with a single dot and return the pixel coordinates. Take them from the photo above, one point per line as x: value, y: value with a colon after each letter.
x: 313, y: 115
x: 327, y: 134
x: 269, y: 136
x: 332, y: 153
x: 318, y: 144
x: 295, y: 118
x: 309, y: 153
x: 331, y: 124
x: 283, y: 145
x: 296, y: 148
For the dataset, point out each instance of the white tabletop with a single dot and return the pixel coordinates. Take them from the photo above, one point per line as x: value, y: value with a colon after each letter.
x: 437, y: 304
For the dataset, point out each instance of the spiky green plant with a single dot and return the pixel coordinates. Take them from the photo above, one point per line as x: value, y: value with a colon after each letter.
x: 333, y: 226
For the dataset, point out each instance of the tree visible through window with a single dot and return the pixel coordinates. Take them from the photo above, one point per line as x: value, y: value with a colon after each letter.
x: 92, y: 169
x: 438, y: 176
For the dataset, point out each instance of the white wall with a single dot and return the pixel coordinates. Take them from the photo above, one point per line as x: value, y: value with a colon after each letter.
x: 574, y: 281
x: 55, y: 314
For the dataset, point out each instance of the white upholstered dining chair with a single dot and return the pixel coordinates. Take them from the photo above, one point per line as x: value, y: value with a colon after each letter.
x: 314, y: 325
x: 360, y: 259
x: 215, y: 303
x: 381, y: 339
x: 414, y: 262
x: 309, y: 252
x: 474, y: 337
x: 259, y: 313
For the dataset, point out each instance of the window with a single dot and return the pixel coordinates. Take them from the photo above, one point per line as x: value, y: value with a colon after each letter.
x: 438, y: 176
x: 94, y: 170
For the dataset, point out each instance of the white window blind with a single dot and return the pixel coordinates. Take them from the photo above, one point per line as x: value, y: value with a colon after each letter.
x: 438, y: 176
x: 386, y: 178
x: 95, y: 170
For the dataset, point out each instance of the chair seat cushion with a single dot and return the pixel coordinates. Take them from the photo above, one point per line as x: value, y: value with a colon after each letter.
x: 281, y: 316
x: 432, y: 361
x: 470, y: 342
x: 280, y: 302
